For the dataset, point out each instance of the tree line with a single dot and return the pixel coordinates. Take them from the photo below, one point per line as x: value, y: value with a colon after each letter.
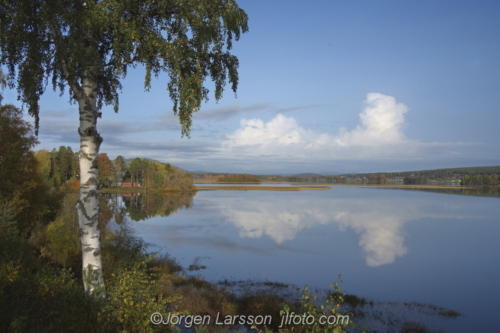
x: 154, y: 175
x: 238, y: 178
x: 488, y: 180
x: 59, y: 168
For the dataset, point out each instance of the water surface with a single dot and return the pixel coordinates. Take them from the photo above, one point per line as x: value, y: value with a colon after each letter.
x: 388, y: 245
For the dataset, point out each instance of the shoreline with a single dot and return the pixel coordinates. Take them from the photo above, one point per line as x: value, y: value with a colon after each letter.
x: 292, y: 187
x: 262, y: 188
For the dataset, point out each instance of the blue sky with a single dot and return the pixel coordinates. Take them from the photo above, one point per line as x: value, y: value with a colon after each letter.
x: 325, y: 86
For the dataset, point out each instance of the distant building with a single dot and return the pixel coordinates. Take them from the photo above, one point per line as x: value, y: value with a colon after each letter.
x: 131, y: 184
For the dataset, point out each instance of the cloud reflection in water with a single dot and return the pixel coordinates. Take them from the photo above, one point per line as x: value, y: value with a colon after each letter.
x: 379, y: 223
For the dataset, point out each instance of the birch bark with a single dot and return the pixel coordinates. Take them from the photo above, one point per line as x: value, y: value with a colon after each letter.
x: 88, y: 203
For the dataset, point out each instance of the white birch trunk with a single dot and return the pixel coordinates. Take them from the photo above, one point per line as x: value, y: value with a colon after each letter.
x: 88, y: 203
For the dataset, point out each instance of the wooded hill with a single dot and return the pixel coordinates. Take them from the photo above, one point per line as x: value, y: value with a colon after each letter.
x: 488, y: 175
x: 467, y: 176
x: 449, y: 172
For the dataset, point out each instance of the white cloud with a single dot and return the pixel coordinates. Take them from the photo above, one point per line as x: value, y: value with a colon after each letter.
x: 381, y: 123
x: 379, y: 135
x: 280, y: 130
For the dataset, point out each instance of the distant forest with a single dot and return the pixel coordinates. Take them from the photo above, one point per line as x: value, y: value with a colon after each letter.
x: 451, y: 176
x: 238, y: 178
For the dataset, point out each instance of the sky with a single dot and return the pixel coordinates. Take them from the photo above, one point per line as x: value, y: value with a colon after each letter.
x: 327, y: 87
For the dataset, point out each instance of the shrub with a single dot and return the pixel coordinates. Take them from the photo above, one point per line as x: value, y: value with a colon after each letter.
x: 132, y: 300
x: 63, y: 244
x: 311, y: 307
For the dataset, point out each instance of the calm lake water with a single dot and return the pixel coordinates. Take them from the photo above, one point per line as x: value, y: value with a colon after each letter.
x: 388, y: 245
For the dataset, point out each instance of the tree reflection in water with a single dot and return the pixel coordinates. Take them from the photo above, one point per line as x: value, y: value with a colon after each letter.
x: 142, y: 206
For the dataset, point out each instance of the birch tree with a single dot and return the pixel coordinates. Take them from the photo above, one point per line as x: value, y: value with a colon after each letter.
x: 85, y: 47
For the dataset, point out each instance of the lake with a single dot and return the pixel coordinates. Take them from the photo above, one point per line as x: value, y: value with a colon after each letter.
x: 388, y: 245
